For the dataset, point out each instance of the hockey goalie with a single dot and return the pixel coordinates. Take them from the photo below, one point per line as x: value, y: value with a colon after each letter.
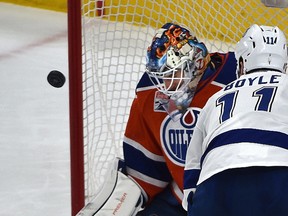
x: 119, y: 196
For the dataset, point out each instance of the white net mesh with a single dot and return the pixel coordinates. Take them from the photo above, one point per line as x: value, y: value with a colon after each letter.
x: 116, y: 34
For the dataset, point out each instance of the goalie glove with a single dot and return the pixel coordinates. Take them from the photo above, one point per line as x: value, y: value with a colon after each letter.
x: 120, y: 196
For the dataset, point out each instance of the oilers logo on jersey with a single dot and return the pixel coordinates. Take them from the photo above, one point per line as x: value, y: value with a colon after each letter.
x: 176, y: 135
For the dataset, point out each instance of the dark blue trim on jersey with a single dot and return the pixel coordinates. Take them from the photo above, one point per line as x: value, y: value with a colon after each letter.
x: 257, y: 136
x: 191, y: 178
x: 228, y: 71
x: 145, y: 81
x: 223, y: 73
x: 138, y: 161
x: 225, y: 70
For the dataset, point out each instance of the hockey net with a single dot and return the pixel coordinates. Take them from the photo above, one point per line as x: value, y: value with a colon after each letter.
x: 107, y: 58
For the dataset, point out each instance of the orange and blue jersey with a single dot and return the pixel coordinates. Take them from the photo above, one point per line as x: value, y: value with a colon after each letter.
x: 154, y: 144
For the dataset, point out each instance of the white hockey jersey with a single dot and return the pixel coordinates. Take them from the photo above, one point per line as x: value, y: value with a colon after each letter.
x: 243, y: 125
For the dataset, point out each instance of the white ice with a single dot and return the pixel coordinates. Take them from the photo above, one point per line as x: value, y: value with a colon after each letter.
x: 34, y: 116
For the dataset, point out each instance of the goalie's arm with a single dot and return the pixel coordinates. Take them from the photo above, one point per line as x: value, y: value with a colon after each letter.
x: 120, y: 195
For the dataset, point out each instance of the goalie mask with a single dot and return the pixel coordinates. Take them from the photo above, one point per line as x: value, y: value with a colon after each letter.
x: 261, y: 47
x: 175, y: 63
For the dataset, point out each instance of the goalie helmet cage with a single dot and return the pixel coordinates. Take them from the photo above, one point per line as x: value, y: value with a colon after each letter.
x: 107, y: 42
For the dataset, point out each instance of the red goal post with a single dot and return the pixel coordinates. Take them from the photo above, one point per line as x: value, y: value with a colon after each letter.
x: 107, y: 41
x: 76, y: 106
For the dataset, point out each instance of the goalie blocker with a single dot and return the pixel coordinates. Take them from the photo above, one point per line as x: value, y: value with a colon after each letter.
x: 120, y: 195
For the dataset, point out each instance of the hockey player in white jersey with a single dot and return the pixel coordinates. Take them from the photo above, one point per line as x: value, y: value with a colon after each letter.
x: 237, y: 161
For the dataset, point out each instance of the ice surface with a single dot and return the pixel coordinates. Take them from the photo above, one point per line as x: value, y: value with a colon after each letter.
x: 34, y: 123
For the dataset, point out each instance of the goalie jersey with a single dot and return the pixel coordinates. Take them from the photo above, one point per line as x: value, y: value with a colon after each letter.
x: 243, y: 125
x: 155, y: 144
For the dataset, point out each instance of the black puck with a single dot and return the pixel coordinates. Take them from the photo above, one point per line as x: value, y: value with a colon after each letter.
x: 56, y: 79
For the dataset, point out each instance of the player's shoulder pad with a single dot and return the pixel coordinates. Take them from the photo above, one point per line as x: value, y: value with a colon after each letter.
x: 144, y: 83
x: 227, y: 69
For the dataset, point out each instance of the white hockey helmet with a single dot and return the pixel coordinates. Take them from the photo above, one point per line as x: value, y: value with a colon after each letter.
x: 262, y: 47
